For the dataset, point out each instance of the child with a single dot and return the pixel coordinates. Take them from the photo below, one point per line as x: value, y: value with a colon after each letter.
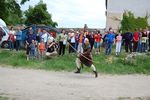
x: 41, y: 49
x: 32, y: 47
x: 118, y: 44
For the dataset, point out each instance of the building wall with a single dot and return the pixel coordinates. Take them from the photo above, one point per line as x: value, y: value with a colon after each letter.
x: 115, y: 9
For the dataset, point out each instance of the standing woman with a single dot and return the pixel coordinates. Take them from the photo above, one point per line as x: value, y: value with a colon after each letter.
x: 144, y: 40
x: 65, y: 38
x: 118, y: 44
x: 39, y: 35
x: 62, y: 38
x: 97, y: 41
x: 135, y: 40
x: 11, y: 38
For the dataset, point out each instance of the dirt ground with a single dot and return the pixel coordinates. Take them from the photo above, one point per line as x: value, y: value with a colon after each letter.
x: 29, y: 84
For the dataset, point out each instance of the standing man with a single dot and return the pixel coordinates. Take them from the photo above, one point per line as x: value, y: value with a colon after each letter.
x: 110, y: 39
x: 18, y: 38
x: 128, y: 41
x: 30, y: 36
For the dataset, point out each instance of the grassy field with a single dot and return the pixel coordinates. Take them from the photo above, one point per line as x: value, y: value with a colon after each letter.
x: 104, y: 64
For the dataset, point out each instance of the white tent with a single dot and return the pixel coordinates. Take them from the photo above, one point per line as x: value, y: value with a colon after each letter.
x: 2, y: 22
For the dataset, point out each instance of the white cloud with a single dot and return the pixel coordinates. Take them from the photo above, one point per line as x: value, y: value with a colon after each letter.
x: 76, y: 13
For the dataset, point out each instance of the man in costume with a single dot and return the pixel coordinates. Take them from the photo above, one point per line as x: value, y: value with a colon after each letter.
x: 85, y: 58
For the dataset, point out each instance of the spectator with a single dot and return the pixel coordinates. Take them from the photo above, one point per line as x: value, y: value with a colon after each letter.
x: 41, y: 50
x: 135, y: 40
x: 45, y: 37
x: 62, y: 38
x: 91, y: 40
x: 118, y: 44
x: 32, y: 47
x: 97, y: 38
x: 81, y: 41
x: 76, y: 40
x: 11, y: 40
x: 90, y: 37
x: 144, y: 41
x: 139, y: 48
x: 18, y: 39
x: 51, y: 49
x: 110, y: 37
x: 39, y: 35
x: 29, y: 37
x: 128, y: 41
x: 72, y: 43
x: 65, y: 38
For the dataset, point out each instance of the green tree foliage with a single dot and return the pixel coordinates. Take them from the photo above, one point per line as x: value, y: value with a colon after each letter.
x: 23, y: 1
x: 39, y: 15
x: 10, y: 12
x: 130, y: 22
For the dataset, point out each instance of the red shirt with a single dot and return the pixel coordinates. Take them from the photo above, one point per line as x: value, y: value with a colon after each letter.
x: 11, y: 37
x: 136, y: 36
x: 97, y: 37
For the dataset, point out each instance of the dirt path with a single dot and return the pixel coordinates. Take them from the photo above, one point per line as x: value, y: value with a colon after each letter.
x: 25, y: 84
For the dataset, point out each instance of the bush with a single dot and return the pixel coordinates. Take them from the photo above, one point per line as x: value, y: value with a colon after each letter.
x: 130, y: 22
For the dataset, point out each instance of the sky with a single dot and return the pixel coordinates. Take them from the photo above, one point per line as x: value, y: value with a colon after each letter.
x: 74, y: 13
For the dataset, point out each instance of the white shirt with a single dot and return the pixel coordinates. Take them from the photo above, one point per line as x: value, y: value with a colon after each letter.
x: 45, y: 37
x: 73, y: 40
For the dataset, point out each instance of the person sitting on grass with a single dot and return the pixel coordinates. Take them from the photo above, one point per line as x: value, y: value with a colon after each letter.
x: 85, y: 58
x: 51, y: 49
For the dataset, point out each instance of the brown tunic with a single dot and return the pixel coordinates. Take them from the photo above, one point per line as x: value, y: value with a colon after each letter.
x: 86, y: 57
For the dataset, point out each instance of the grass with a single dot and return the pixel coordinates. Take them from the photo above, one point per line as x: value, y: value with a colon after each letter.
x: 104, y: 64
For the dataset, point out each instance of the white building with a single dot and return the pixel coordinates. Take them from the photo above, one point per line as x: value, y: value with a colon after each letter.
x: 115, y: 9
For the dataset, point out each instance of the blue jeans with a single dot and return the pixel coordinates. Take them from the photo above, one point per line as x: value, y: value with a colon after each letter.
x: 139, y: 48
x: 108, y: 48
x: 11, y: 45
x: 18, y: 43
x: 32, y: 53
x: 144, y: 47
x: 76, y: 45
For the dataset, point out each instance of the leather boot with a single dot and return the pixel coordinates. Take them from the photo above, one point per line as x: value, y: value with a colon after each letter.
x: 96, y: 74
x: 77, y: 71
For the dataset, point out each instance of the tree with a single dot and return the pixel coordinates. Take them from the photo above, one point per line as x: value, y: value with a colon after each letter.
x: 10, y: 12
x: 39, y: 15
x: 23, y: 1
x: 130, y: 22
